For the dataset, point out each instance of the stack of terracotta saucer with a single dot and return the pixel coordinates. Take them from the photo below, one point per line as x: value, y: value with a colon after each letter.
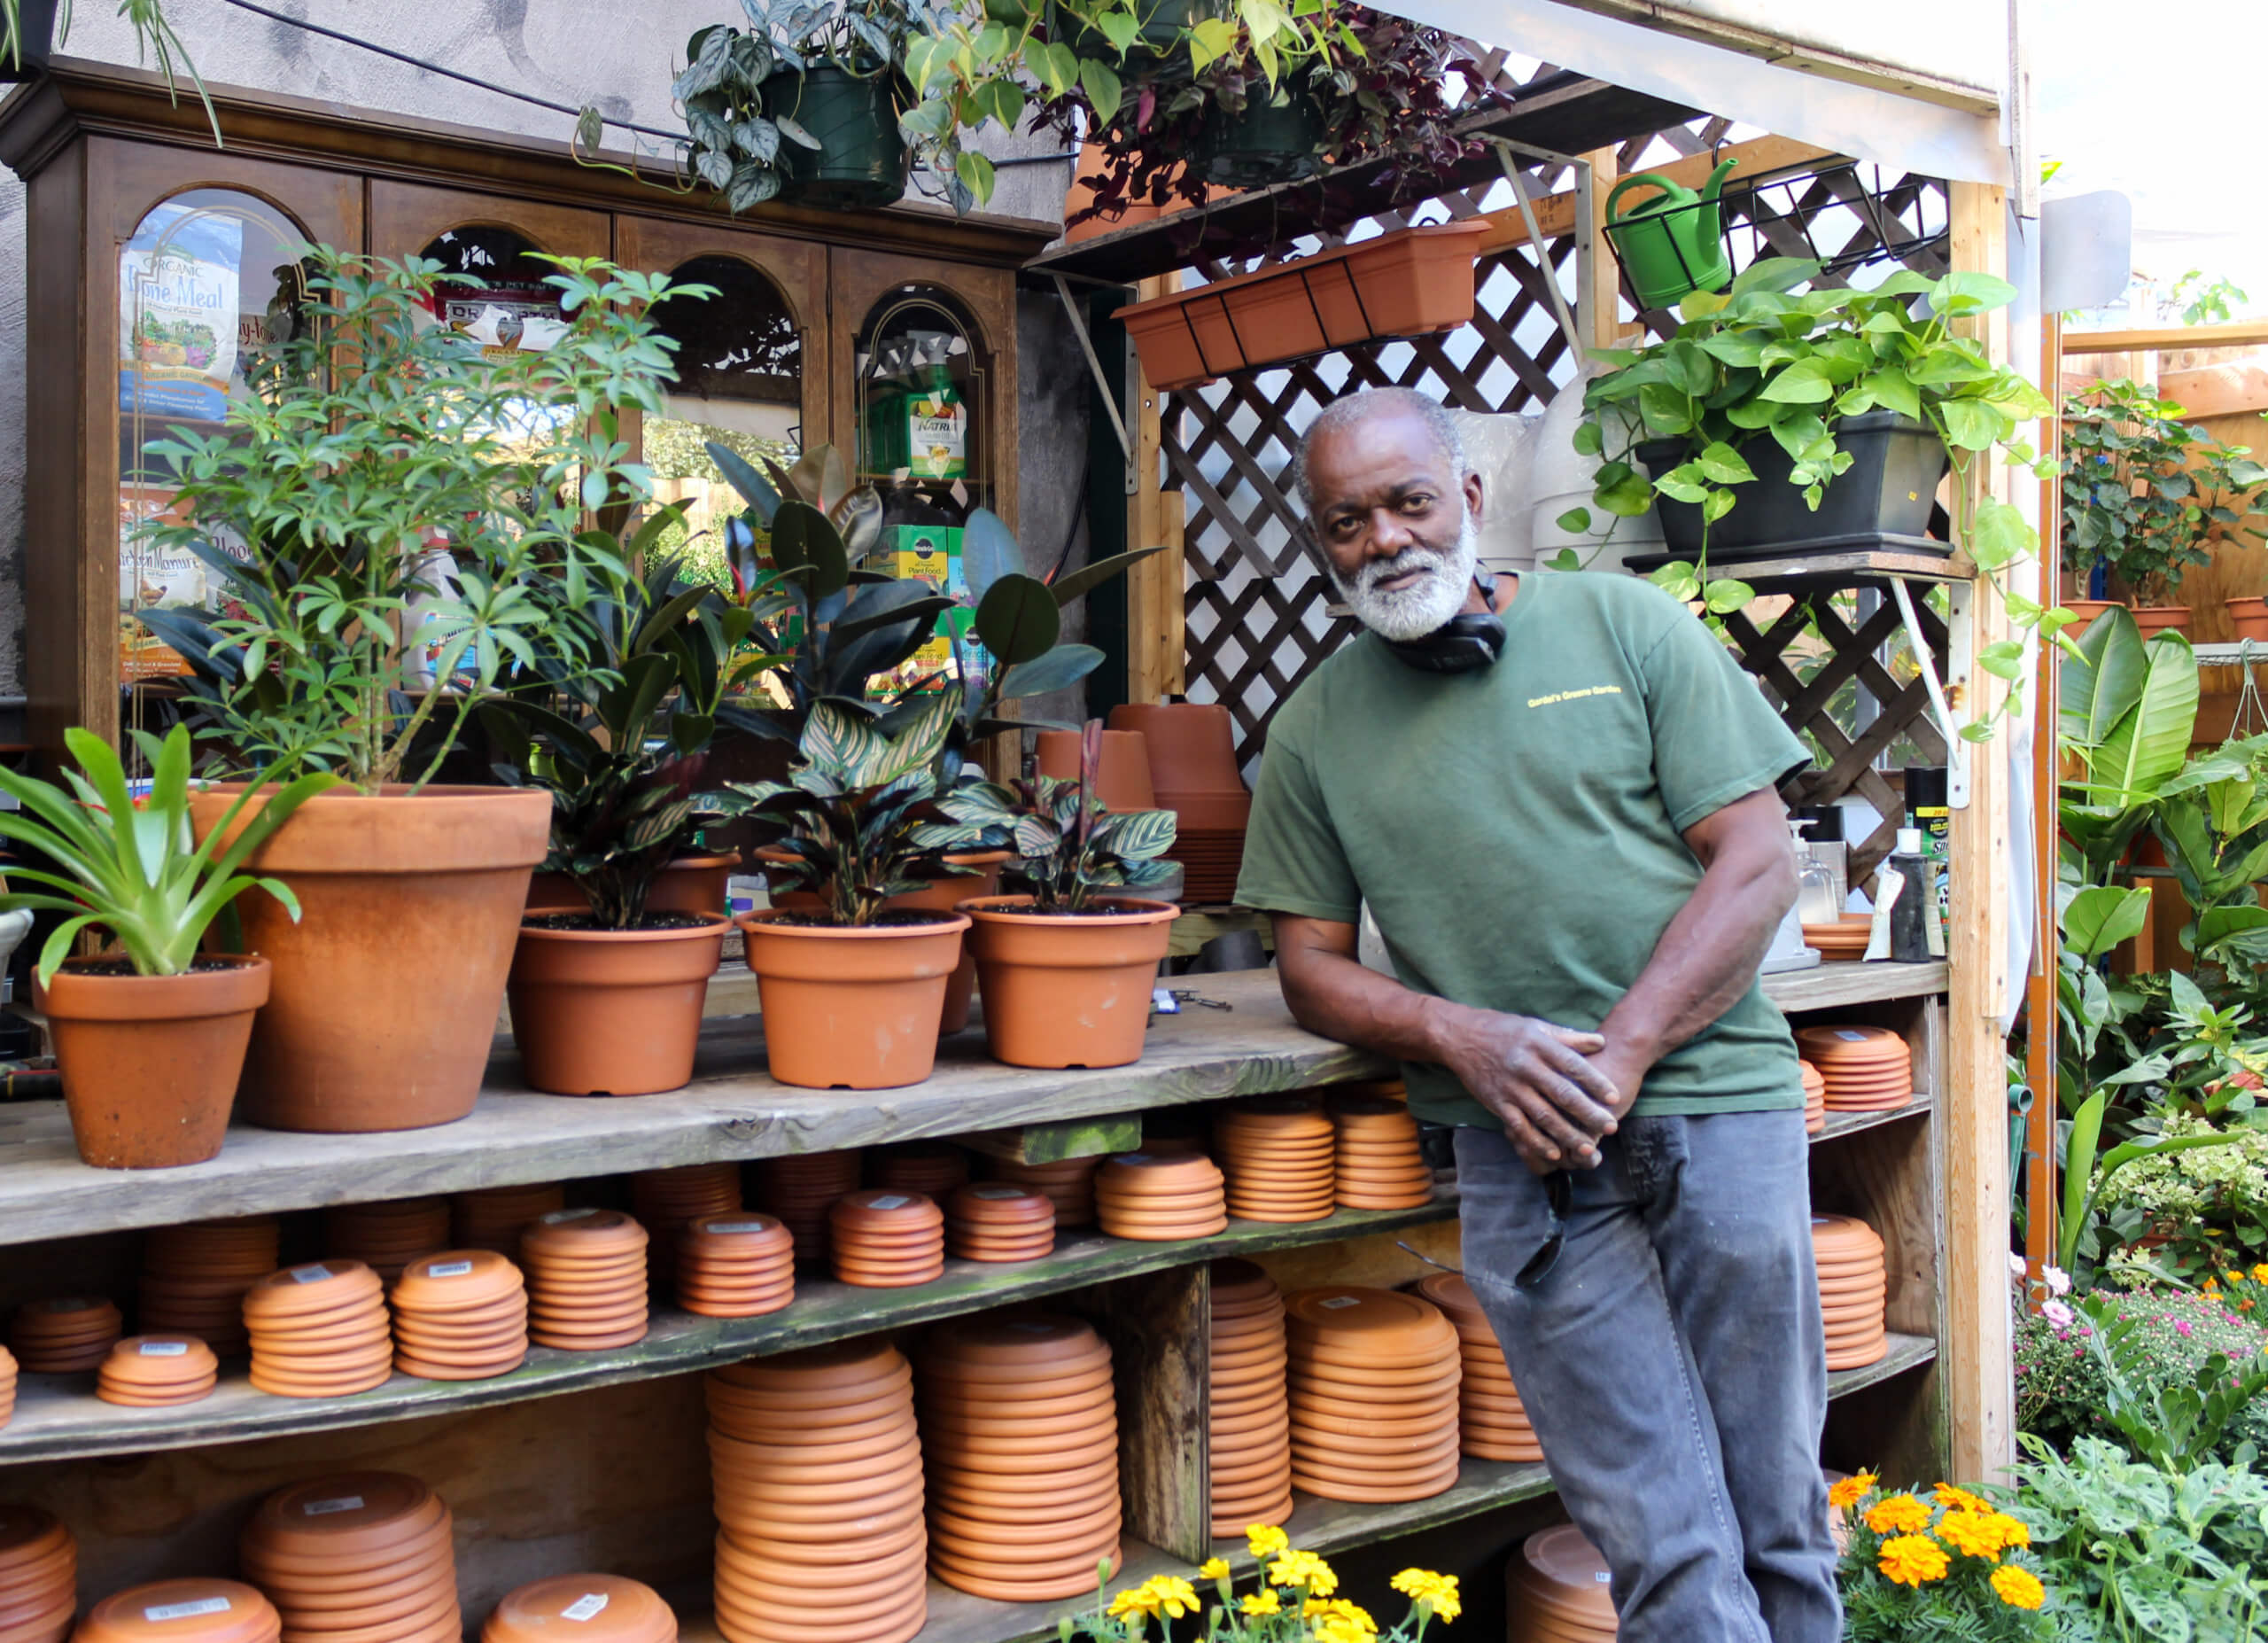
x: 800, y: 1187
x: 1492, y: 1423
x: 1193, y: 771
x: 999, y: 1221
x: 1853, y: 1290
x: 590, y: 1609
x: 460, y: 1315
x: 319, y: 1330
x: 1814, y: 1099
x: 817, y: 1466
x: 1556, y: 1589
x: 1867, y: 1069
x: 353, y: 1556
x: 68, y: 1335
x: 1843, y: 941
x: 934, y: 1168
x: 1278, y: 1153
x: 1020, y: 1446
x: 150, y: 1371
x: 887, y: 1240
x: 1373, y: 1394
x: 664, y: 1199
x: 386, y: 1237
x: 1250, y: 1444
x: 1069, y: 1185
x: 7, y: 1385
x: 194, y: 1278
x: 493, y: 1217
x: 586, y: 1274
x: 736, y: 1266
x: 39, y: 1576
x: 182, y: 1611
x: 1146, y: 1197
x: 1380, y: 1164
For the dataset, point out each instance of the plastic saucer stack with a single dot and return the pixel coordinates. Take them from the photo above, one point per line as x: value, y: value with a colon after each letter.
x: 1854, y: 1289
x: 1867, y: 1069
x: 1251, y: 1434
x: 151, y: 1371
x: 1814, y: 1099
x: 355, y: 1555
x: 1556, y: 1590
x: 1278, y: 1153
x: 590, y: 1609
x: 1843, y: 941
x: 7, y: 1385
x: 817, y: 1465
x: 1373, y: 1393
x: 460, y: 1315
x: 39, y: 1576
x: 800, y: 1187
x: 664, y: 1199
x: 736, y: 1266
x: 319, y: 1330
x: 999, y: 1222
x: 68, y: 1335
x: 933, y: 1169
x: 194, y: 1278
x: 386, y: 1237
x: 887, y: 1240
x: 1143, y: 1196
x: 1069, y: 1185
x: 493, y: 1217
x: 1380, y: 1164
x: 1491, y: 1424
x: 586, y: 1274
x: 182, y: 1611
x: 1020, y: 1445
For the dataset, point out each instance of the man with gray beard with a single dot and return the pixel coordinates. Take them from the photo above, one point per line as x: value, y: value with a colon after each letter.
x: 1557, y: 795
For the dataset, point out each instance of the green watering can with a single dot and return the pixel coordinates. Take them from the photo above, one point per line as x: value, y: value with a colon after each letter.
x: 1674, y: 244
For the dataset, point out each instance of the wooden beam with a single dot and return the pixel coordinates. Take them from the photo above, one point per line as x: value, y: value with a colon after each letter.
x: 1159, y: 1327
x: 1155, y: 635
x: 1555, y: 214
x: 1602, y: 292
x: 2244, y: 333
x: 1977, y: 1361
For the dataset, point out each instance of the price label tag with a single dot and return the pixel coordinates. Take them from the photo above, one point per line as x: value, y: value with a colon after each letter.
x: 585, y: 1608
x: 737, y: 1226
x: 1850, y: 1035
x: 165, y: 1349
x: 187, y: 1611
x: 326, y: 1508
x: 889, y: 1200
x: 998, y: 1192
x: 1337, y: 1301
x: 557, y: 1216
x: 310, y: 1275
x: 449, y: 1269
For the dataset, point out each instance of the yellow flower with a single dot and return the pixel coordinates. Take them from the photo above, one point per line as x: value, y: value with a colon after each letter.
x: 1267, y: 1540
x: 1173, y: 1596
x: 1975, y: 1534
x: 1262, y: 1602
x: 1135, y: 1600
x: 1955, y: 1498
x: 2260, y: 1272
x: 1213, y: 1568
x: 1437, y: 1593
x: 1896, y: 1514
x: 1848, y: 1492
x: 2013, y: 1532
x: 2233, y: 1277
x: 1303, y: 1569
x: 1338, y: 1621
x: 2211, y: 1287
x: 2018, y: 1588
x: 1913, y: 1560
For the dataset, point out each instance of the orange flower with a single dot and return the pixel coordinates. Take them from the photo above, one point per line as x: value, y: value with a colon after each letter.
x: 1897, y: 1515
x: 1913, y: 1560
x: 1848, y: 1492
x: 1973, y: 1534
x: 2018, y: 1588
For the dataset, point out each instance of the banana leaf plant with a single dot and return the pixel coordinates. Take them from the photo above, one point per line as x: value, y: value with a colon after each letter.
x: 2129, y: 712
x: 1067, y: 846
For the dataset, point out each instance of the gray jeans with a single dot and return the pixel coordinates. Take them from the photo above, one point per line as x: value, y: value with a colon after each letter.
x: 1673, y: 1364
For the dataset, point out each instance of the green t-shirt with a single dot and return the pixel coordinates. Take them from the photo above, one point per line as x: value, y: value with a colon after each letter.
x: 1519, y: 831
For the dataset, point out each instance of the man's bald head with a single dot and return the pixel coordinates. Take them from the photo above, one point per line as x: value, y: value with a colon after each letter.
x: 1345, y: 416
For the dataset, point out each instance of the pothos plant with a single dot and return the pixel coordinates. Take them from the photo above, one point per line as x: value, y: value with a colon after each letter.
x: 1065, y: 845
x: 1765, y: 358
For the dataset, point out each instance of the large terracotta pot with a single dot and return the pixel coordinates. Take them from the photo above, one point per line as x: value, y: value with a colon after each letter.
x: 851, y: 1008
x: 1067, y: 992
x: 1122, y: 776
x: 2086, y: 610
x: 611, y: 1012
x: 688, y: 884
x: 150, y: 1063
x: 2249, y: 618
x: 944, y: 897
x: 1193, y: 746
x: 2153, y: 620
x: 384, y: 995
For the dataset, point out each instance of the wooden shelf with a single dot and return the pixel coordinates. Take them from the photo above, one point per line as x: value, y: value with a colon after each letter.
x: 1839, y: 985
x: 1830, y: 571
x: 1842, y: 1124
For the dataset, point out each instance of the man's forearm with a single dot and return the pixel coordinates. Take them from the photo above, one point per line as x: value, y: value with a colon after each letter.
x: 1706, y: 959
x: 1343, y: 998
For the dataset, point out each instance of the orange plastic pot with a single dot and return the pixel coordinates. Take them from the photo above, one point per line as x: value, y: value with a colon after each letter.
x: 1193, y: 746
x: 1122, y: 776
x: 2086, y: 610
x: 2249, y: 618
x: 944, y: 897
x: 688, y: 884
x: 611, y: 1012
x: 151, y: 1063
x: 1067, y: 992
x: 2153, y: 620
x: 851, y: 1008
x: 383, y: 998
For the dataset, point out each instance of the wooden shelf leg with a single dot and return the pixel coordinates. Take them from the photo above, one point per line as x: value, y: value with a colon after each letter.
x: 1159, y: 1327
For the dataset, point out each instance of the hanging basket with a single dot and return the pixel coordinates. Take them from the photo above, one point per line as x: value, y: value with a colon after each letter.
x: 861, y: 164
x: 1164, y: 33
x: 1262, y: 144
x: 1405, y: 283
x: 35, y: 33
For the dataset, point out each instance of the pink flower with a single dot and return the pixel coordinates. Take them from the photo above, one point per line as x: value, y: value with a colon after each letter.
x: 2015, y: 1266
x: 2056, y: 1312
x: 2181, y: 1327
x: 2058, y: 1280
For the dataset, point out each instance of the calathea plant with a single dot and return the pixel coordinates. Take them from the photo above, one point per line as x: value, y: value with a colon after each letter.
x: 1067, y: 846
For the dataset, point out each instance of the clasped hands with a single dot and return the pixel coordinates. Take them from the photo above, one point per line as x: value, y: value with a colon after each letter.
x: 1558, y: 1091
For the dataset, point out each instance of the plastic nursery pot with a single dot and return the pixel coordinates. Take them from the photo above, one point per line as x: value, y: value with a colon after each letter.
x: 2087, y: 609
x: 1896, y: 466
x: 944, y: 897
x: 2247, y: 617
x: 611, y: 1012
x: 1071, y: 990
x: 1263, y: 143
x: 861, y: 162
x: 383, y: 998
x: 151, y: 1063
x: 688, y: 884
x: 2161, y: 618
x: 1121, y: 776
x: 851, y: 1008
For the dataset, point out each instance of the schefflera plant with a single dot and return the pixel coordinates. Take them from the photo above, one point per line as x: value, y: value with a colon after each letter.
x: 1066, y: 847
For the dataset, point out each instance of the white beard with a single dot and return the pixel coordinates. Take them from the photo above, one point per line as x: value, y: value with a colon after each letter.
x: 1427, y: 605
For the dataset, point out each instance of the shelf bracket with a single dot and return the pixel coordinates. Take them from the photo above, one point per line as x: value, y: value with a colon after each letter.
x: 1102, y: 383
x: 1953, y: 688
x: 1584, y: 249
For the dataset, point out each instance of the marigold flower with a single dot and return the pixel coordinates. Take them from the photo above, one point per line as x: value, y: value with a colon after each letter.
x: 1262, y: 1603
x: 1897, y: 1515
x: 1135, y: 1600
x: 1438, y: 1592
x: 1213, y: 1568
x: 1173, y: 1596
x: 1913, y: 1560
x: 1973, y: 1534
x: 2260, y: 1272
x: 1267, y: 1540
x: 1303, y: 1569
x: 1954, y: 1497
x: 2018, y: 1588
x: 2012, y: 1531
x: 1339, y: 1620
x: 1848, y: 1492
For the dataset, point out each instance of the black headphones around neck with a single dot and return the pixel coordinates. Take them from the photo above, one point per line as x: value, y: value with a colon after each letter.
x: 1467, y: 643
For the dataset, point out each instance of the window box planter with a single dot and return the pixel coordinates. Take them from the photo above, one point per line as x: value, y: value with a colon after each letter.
x: 1400, y: 285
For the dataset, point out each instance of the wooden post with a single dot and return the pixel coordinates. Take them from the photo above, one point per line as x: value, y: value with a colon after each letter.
x: 1602, y: 292
x: 1155, y: 638
x: 1977, y: 1355
x: 2040, y: 1191
x: 1159, y: 1327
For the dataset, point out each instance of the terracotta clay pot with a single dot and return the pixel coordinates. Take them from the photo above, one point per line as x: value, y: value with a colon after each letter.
x: 1193, y: 746
x: 1067, y: 992
x: 1121, y: 776
x: 2086, y: 610
x: 611, y: 1012
x: 944, y: 897
x: 151, y: 1063
x: 2250, y: 618
x: 688, y: 884
x: 2153, y: 620
x: 383, y: 998
x: 851, y: 1008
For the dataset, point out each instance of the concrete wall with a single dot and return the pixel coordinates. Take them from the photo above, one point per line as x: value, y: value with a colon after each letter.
x: 619, y: 58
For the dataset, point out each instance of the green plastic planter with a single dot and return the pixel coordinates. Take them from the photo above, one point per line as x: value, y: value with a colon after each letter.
x: 861, y: 164
x: 1268, y: 143
x: 1164, y: 32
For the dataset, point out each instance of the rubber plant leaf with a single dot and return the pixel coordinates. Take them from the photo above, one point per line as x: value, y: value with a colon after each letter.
x: 1018, y: 619
x: 1090, y: 576
x: 988, y: 552
x: 755, y: 489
